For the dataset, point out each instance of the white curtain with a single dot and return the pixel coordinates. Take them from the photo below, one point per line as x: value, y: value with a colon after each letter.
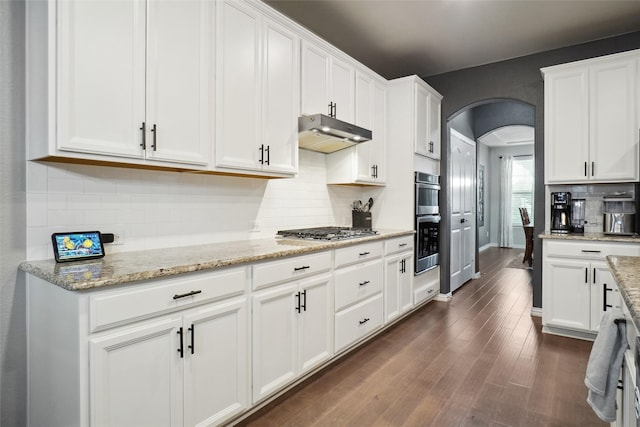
x: 505, y: 233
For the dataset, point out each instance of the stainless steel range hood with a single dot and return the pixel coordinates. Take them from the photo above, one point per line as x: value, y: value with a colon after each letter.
x: 326, y: 134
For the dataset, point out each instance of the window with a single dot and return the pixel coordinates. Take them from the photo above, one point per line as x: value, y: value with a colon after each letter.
x: 522, y: 183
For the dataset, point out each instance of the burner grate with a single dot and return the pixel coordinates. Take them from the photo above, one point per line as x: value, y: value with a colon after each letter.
x: 327, y: 233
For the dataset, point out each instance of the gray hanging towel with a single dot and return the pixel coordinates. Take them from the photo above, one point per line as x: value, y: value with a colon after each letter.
x: 605, y: 362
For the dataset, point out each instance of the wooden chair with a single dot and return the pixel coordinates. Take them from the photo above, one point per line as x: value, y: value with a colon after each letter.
x: 528, y: 235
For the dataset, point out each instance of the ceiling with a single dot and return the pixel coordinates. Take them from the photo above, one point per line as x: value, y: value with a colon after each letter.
x: 508, y: 136
x: 396, y: 38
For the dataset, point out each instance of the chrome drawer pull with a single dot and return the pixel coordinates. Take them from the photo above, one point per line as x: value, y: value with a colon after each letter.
x: 188, y: 294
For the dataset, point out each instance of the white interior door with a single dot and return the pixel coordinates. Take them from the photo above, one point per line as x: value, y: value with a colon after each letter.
x: 463, y: 216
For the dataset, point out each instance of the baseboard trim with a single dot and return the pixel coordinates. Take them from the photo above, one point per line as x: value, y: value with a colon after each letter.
x: 569, y: 333
x: 487, y: 246
x: 536, y: 312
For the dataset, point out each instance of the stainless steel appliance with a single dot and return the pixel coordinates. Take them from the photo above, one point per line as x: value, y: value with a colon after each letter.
x: 327, y: 134
x: 577, y: 215
x: 619, y: 215
x: 427, y: 210
x: 427, y: 194
x: 327, y: 233
x: 561, y: 212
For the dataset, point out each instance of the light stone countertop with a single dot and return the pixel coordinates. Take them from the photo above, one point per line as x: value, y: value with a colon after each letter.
x: 598, y: 237
x: 626, y: 271
x: 125, y: 267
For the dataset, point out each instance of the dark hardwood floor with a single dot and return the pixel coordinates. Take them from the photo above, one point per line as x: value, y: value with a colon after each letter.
x: 479, y: 360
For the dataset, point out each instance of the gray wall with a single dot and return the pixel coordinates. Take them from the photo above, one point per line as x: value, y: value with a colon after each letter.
x: 13, y: 377
x: 517, y: 79
x: 494, y: 115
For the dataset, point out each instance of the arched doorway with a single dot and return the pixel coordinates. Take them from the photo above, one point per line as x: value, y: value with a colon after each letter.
x: 474, y: 121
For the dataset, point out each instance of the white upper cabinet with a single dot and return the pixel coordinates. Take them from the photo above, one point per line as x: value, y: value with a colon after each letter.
x: 115, y: 59
x: 365, y: 163
x: 328, y: 84
x: 257, y: 92
x: 591, y: 124
x: 101, y: 77
x: 427, y: 120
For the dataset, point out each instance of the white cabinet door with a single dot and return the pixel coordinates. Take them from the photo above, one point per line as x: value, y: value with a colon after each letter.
x: 315, y: 331
x: 275, y: 339
x: 613, y: 145
x: 238, y: 82
x: 566, y: 126
x: 421, y: 110
x: 343, y: 90
x: 398, y: 292
x: 281, y: 96
x: 179, y: 81
x: 216, y: 363
x: 314, y: 97
x: 433, y: 148
x: 134, y: 362
x: 406, y: 283
x: 604, y: 295
x: 365, y: 110
x: 101, y: 77
x: 567, y: 294
x: 392, y: 268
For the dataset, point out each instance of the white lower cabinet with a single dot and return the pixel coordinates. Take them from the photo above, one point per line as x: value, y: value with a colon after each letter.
x: 292, y: 332
x: 358, y: 321
x: 577, y: 286
x: 191, y: 369
x: 398, y: 292
x: 181, y: 359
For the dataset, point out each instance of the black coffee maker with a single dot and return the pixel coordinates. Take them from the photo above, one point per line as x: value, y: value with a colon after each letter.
x: 561, y: 212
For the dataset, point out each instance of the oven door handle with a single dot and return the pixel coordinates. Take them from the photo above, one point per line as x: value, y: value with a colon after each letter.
x: 429, y: 218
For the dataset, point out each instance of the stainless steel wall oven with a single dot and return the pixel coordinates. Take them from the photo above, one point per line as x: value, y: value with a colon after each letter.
x: 427, y: 212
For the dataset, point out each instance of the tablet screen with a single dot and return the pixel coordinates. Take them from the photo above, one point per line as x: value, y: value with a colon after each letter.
x: 77, y: 245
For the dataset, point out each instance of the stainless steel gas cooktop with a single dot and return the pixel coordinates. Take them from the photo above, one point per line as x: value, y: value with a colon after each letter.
x: 327, y: 233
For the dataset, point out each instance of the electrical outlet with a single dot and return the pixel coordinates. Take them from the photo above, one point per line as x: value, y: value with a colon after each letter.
x: 118, y: 237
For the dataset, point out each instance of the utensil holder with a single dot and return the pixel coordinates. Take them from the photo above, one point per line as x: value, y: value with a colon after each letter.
x: 361, y: 220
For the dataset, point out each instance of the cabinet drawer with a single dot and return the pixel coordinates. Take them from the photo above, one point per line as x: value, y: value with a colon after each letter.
x: 275, y: 272
x: 398, y: 244
x: 358, y: 321
x: 136, y: 302
x: 359, y: 253
x: 358, y: 282
x: 589, y: 250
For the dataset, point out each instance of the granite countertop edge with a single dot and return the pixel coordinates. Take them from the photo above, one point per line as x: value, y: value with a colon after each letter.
x: 127, y: 267
x: 626, y: 271
x: 596, y: 237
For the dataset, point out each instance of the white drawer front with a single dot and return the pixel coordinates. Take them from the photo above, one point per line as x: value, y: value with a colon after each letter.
x: 275, y: 272
x: 136, y: 302
x: 398, y: 244
x: 589, y: 250
x: 356, y: 283
x: 425, y: 293
x: 358, y: 321
x: 358, y: 253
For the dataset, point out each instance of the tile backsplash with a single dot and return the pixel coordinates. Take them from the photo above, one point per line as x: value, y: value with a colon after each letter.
x: 593, y: 195
x: 153, y: 209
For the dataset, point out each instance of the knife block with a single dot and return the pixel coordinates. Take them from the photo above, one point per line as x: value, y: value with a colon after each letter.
x: 361, y: 220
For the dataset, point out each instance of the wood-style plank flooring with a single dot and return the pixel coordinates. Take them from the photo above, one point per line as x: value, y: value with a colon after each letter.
x: 479, y: 360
